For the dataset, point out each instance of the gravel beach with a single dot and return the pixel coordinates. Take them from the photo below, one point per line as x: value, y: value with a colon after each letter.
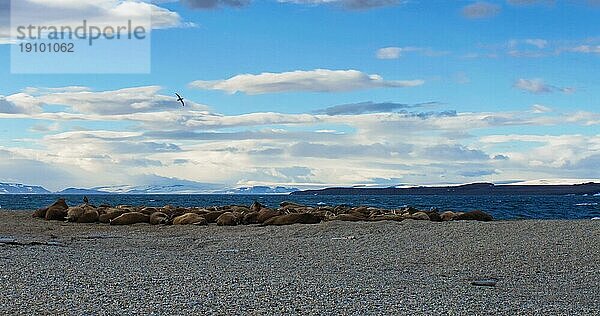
x: 332, y: 268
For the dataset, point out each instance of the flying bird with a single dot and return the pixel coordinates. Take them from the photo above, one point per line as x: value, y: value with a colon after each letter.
x: 180, y: 99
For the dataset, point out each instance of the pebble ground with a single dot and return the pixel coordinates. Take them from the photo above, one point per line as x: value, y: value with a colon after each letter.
x: 333, y: 268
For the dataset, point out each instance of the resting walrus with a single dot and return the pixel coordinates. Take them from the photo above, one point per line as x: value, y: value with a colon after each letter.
x: 295, y: 218
x: 190, y: 219
x: 57, y: 211
x: 131, y: 218
x: 228, y: 219
x: 158, y: 218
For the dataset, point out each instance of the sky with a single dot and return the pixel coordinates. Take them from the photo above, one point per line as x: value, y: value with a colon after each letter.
x: 317, y: 93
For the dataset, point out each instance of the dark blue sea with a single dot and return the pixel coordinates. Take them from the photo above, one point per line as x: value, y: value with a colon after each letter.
x: 501, y: 207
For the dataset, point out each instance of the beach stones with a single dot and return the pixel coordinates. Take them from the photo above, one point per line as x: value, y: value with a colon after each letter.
x: 485, y: 282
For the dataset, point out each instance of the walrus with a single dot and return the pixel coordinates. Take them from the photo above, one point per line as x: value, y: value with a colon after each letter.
x: 386, y: 217
x: 256, y: 206
x: 131, y: 218
x: 238, y: 209
x: 293, y: 204
x: 474, y: 216
x: 111, y: 214
x: 190, y: 219
x: 57, y: 211
x: 362, y: 211
x: 73, y: 213
x: 434, y: 216
x: 211, y: 217
x: 348, y: 218
x: 40, y: 213
x: 294, y: 218
x: 158, y: 218
x: 149, y: 210
x: 89, y: 216
x: 447, y: 216
x: 250, y: 218
x: 265, y: 213
x: 420, y: 216
x: 228, y: 219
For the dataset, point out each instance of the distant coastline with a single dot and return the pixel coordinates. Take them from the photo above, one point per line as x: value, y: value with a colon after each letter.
x: 467, y: 189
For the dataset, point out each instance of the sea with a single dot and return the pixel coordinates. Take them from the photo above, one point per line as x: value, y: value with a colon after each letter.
x: 501, y: 207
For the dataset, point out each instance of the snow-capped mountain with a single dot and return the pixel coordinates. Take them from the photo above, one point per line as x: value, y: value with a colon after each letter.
x: 259, y: 190
x: 16, y: 188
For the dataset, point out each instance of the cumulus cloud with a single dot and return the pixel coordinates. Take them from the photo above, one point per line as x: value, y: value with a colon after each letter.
x: 480, y: 10
x: 538, y: 86
x: 318, y: 80
x: 363, y: 107
x: 342, y: 145
x: 115, y: 102
x: 20, y: 103
x: 336, y: 151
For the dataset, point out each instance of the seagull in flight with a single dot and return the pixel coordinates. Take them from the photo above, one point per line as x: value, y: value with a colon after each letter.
x: 180, y: 99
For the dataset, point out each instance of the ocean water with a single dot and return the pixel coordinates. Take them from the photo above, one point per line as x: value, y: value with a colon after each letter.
x: 501, y: 207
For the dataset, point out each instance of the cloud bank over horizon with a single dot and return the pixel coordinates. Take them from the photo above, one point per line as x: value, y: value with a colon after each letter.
x: 362, y: 143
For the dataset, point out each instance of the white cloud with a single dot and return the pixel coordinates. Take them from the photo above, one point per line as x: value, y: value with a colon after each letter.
x: 539, y: 43
x: 538, y: 108
x: 538, y: 86
x: 481, y: 10
x: 389, y: 53
x: 318, y: 80
x: 586, y: 49
x: 116, y: 102
x: 280, y: 148
x: 397, y: 52
x: 20, y: 103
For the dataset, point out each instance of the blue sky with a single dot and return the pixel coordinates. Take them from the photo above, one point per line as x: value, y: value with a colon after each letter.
x: 449, y: 92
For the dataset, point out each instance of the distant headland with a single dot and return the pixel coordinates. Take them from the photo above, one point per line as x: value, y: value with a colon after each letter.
x: 466, y: 189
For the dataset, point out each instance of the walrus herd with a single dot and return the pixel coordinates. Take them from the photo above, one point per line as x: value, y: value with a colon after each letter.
x: 232, y: 215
